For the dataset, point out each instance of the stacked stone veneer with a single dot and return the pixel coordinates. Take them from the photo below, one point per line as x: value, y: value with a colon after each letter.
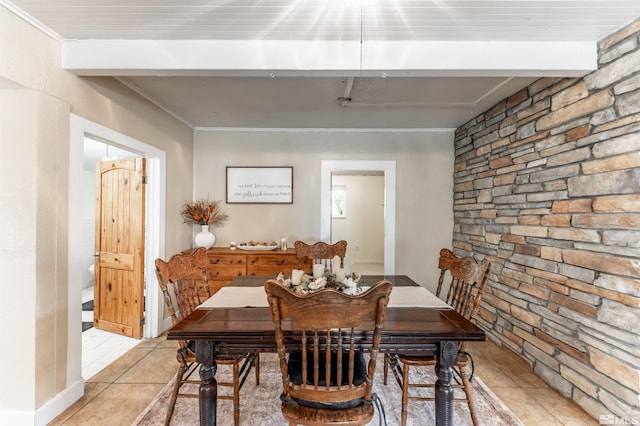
x: 547, y: 187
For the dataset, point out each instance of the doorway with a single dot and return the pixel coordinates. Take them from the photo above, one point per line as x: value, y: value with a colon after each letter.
x: 80, y: 129
x: 94, y: 150
x: 388, y: 170
x: 357, y: 216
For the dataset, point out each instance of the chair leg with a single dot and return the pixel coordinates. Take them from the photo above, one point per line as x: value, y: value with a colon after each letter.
x: 236, y: 393
x: 257, y: 367
x: 174, y: 394
x: 386, y: 369
x: 405, y: 393
x: 469, y: 394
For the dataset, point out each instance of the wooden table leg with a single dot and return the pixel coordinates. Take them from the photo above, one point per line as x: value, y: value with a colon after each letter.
x: 206, y: 356
x: 447, y: 356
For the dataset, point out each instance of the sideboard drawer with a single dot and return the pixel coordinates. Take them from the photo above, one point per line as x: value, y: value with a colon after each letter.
x: 225, y: 264
x: 271, y: 264
x: 225, y: 267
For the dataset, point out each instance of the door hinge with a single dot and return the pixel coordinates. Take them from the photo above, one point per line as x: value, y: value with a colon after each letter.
x: 142, y: 321
x: 144, y: 179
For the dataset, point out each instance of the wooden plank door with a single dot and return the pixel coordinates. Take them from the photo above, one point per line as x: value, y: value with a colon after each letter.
x: 119, y: 265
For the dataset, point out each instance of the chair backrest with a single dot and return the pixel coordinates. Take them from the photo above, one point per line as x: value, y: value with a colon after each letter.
x: 184, y: 284
x: 321, y: 252
x: 328, y: 316
x: 468, y: 279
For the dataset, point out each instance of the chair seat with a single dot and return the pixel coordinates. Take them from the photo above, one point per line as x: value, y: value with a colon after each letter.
x: 463, y: 359
x: 358, y: 415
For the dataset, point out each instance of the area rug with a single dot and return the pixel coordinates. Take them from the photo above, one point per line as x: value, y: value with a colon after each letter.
x: 260, y: 405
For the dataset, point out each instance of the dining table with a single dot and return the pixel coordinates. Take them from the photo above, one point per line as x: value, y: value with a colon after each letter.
x: 237, y: 320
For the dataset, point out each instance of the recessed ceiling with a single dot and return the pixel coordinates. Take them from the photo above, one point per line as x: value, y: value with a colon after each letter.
x: 402, y: 64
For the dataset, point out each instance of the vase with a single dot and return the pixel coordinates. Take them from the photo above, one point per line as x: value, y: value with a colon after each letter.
x: 205, y: 238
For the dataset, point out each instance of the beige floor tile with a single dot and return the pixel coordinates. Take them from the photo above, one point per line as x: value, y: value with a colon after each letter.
x: 162, y: 339
x: 566, y: 411
x: 91, y: 391
x: 159, y: 366
x: 118, y: 404
x: 121, y: 365
x: 168, y: 343
x: 493, y: 375
x: 524, y: 407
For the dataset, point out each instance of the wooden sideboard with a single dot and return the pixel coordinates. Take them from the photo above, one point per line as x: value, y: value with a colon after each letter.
x: 226, y: 264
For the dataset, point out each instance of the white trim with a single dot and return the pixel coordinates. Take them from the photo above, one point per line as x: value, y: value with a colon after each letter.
x: 155, y: 239
x: 30, y: 19
x: 389, y: 169
x: 56, y: 405
x: 167, y: 323
x: 329, y: 129
x: 49, y: 410
x: 328, y: 58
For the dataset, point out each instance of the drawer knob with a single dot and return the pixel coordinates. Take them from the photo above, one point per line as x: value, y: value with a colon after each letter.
x: 280, y: 262
x: 214, y: 261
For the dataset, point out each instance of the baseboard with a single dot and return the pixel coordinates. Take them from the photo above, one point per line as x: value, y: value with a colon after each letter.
x: 368, y: 261
x: 56, y: 405
x: 166, y: 324
x: 49, y: 411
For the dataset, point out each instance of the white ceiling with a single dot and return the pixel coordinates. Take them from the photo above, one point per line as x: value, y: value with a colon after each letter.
x: 403, y: 64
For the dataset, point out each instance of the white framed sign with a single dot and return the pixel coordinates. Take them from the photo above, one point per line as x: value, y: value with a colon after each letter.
x: 339, y: 202
x: 257, y: 185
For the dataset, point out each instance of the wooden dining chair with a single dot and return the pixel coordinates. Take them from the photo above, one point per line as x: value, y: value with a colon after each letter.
x: 326, y: 380
x: 321, y: 252
x: 468, y: 279
x: 184, y: 284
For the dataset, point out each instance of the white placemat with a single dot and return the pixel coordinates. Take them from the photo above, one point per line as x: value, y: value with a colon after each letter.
x: 239, y: 297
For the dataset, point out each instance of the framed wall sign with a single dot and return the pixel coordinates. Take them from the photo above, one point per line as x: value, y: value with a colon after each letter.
x: 256, y: 185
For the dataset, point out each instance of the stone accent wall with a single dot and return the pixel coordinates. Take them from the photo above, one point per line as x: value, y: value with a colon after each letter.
x: 547, y: 187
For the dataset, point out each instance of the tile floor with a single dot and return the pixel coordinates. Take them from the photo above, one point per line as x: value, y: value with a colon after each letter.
x: 117, y: 394
x: 101, y: 348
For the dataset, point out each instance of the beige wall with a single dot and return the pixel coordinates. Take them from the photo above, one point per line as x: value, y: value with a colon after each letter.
x: 424, y: 162
x: 34, y: 135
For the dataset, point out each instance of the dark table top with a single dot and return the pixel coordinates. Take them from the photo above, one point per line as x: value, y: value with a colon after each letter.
x: 405, y: 328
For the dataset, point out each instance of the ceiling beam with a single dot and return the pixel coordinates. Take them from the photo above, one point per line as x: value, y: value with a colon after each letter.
x: 327, y: 58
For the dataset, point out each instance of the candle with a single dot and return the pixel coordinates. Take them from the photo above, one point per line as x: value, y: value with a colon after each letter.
x: 340, y: 276
x: 318, y: 270
x: 335, y: 263
x: 296, y: 276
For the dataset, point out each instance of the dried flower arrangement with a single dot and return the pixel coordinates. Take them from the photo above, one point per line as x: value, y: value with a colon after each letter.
x: 203, y: 212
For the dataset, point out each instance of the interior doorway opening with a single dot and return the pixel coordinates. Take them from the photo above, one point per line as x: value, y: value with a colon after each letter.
x: 357, y: 216
x: 80, y: 129
x: 94, y: 150
x: 386, y: 169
